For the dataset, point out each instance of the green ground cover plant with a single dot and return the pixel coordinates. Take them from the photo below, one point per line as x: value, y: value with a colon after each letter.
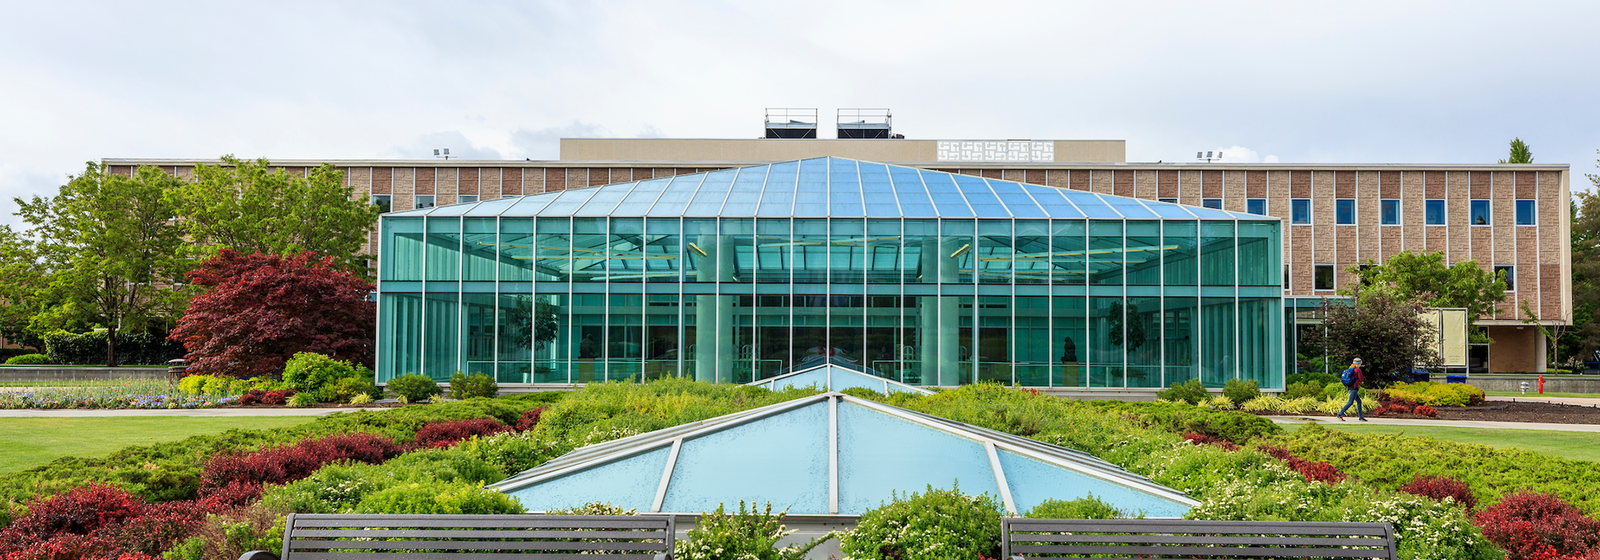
x: 931, y: 524
x: 32, y: 442
x: 28, y: 359
x: 413, y: 388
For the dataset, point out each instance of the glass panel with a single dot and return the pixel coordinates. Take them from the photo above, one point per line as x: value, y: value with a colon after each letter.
x: 1300, y: 211
x: 444, y: 249
x: 1030, y: 339
x: 1344, y: 211
x: 402, y: 249
x: 1216, y: 253
x: 847, y: 246
x: 662, y: 250
x: 700, y: 250
x: 1067, y: 334
x: 1067, y: 262
x: 1181, y: 339
x: 883, y: 251
x: 589, y: 246
x: 1032, y: 247
x: 477, y: 334
x: 1143, y: 253
x: 738, y: 250
x: 880, y: 454
x: 440, y: 329
x: 1256, y: 206
x: 955, y: 340
x: 882, y: 336
x: 661, y: 330
x: 994, y: 251
x: 846, y: 319
x: 399, y: 333
x: 1178, y: 241
x: 772, y: 335
x: 1480, y: 213
x: 1259, y: 254
x: 919, y: 357
x: 955, y: 253
x: 624, y: 336
x: 630, y: 483
x: 554, y: 250
x: 1260, y: 340
x: 588, y: 337
x: 921, y: 265
x: 1434, y: 213
x: 1391, y: 212
x: 810, y: 330
x: 626, y: 250
x: 1216, y: 341
x: 1525, y: 213
x: 699, y: 310
x: 810, y: 251
x: 1033, y: 481
x: 736, y: 350
x: 552, y: 333
x: 514, y: 348
x: 773, y: 251
x: 1106, y: 336
x: 1144, y: 341
x: 1105, y: 253
x: 993, y: 347
x: 478, y: 244
x: 781, y: 459
x: 516, y: 249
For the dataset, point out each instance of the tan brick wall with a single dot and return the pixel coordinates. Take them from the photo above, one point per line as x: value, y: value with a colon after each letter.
x: 447, y: 182
x: 1102, y: 182
x: 555, y: 179
x: 1079, y: 181
x: 1058, y: 178
x: 1233, y: 189
x: 467, y: 180
x: 1255, y: 184
x: 1514, y: 349
x: 424, y: 178
x: 1211, y: 184
x: 1189, y: 187
x: 1145, y: 184
x: 404, y: 184
x: 1166, y: 184
x: 1122, y: 183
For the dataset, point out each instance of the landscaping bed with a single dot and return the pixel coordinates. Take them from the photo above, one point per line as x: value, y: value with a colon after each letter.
x: 1505, y: 411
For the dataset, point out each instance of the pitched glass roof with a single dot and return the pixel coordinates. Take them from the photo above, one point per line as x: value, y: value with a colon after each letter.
x: 835, y: 378
x: 829, y: 187
x: 827, y: 454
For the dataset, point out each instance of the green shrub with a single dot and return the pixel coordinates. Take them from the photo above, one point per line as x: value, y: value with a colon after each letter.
x: 1239, y: 391
x: 1088, y: 507
x: 933, y: 524
x: 1298, y: 390
x: 346, y: 389
x: 746, y: 535
x: 594, y: 508
x: 1317, y: 378
x: 339, y: 488
x: 413, y: 388
x: 194, y: 384
x: 89, y: 348
x: 218, y: 386
x: 1436, y: 394
x: 302, y: 400
x: 1191, y: 391
x: 464, y: 386
x: 1337, y: 390
x: 28, y: 359
x: 308, y: 372
x: 438, y: 497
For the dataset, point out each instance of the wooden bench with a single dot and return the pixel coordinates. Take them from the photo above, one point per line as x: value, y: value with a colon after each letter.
x: 435, y: 537
x: 1160, y: 538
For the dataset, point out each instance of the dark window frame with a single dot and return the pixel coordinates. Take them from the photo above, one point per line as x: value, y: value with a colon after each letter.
x: 1428, y: 206
x: 1473, y: 216
x: 1511, y: 276
x: 1294, y: 209
x: 1340, y: 207
x: 1533, y: 212
x: 1385, y: 217
x: 1316, y: 277
x: 1250, y: 203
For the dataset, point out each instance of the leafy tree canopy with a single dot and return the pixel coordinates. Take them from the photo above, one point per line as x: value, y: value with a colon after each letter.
x: 1424, y: 277
x: 249, y: 207
x: 1519, y: 152
x: 260, y: 309
x: 108, y: 253
x: 1384, y: 328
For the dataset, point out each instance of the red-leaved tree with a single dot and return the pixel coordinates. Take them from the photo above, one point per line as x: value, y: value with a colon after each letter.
x: 259, y: 310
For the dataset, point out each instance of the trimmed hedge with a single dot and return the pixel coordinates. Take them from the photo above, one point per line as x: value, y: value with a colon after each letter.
x: 139, y: 348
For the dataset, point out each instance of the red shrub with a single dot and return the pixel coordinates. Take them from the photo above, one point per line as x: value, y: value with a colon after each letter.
x: 1320, y: 471
x: 162, y: 526
x: 274, y: 397
x: 449, y: 432
x: 1398, y: 408
x: 1199, y: 439
x: 1426, y: 410
x: 1440, y: 487
x: 530, y: 418
x: 234, y: 494
x: 80, y: 511
x: 253, y: 396
x: 1528, y: 526
x: 288, y: 463
x: 66, y: 546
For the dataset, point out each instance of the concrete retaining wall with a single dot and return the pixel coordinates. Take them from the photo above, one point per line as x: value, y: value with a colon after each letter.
x: 57, y: 373
x: 1551, y: 384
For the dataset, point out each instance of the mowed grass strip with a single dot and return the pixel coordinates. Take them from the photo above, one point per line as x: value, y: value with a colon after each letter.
x: 31, y: 442
x: 1582, y: 446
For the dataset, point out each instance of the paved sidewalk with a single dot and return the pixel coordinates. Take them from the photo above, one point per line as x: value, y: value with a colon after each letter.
x: 1534, y: 397
x: 1442, y: 423
x: 92, y: 412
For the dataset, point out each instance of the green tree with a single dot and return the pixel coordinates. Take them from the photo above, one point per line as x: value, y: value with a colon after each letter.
x: 249, y: 207
x: 1424, y: 277
x: 21, y: 282
x: 1519, y: 152
x: 1583, y: 337
x: 111, y: 251
x: 1383, y: 327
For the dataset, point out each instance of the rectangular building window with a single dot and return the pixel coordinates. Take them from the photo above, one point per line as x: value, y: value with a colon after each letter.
x: 1480, y: 213
x: 1214, y: 203
x: 1433, y: 212
x: 466, y: 199
x: 1525, y: 214
x: 1168, y: 200
x: 1390, y: 212
x: 1257, y: 206
x: 1344, y: 211
x: 1300, y: 211
x: 383, y: 202
x: 1286, y: 277
x: 1322, y: 279
x: 1509, y: 274
x: 423, y: 201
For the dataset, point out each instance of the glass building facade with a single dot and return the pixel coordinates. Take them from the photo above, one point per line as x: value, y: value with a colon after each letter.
x: 924, y: 277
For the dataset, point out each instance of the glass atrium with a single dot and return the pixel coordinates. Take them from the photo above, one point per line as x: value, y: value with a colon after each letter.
x: 923, y: 277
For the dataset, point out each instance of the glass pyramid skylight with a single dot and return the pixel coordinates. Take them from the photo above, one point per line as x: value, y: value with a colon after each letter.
x: 836, y: 378
x: 828, y: 454
x: 829, y: 187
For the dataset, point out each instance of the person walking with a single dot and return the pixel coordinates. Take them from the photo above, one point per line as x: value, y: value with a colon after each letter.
x: 1352, y: 379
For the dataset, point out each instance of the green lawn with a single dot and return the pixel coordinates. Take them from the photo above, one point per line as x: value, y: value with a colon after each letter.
x: 1583, y: 446
x: 1535, y: 393
x: 30, y: 442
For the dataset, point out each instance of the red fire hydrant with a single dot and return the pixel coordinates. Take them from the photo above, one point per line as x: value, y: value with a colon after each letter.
x: 1541, y: 384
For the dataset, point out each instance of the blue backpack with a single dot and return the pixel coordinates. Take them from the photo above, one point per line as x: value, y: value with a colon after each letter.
x: 1348, y: 378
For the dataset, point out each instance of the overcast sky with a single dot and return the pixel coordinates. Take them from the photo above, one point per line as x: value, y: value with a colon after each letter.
x: 1363, y: 82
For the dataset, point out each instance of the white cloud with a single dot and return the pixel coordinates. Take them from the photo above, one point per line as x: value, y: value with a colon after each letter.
x: 1241, y: 154
x: 460, y: 147
x: 545, y: 143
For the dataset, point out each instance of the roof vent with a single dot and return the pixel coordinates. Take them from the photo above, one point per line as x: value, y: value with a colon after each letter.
x: 865, y: 123
x: 791, y: 123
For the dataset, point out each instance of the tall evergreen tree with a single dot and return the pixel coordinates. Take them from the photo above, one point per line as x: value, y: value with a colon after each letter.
x: 1519, y: 152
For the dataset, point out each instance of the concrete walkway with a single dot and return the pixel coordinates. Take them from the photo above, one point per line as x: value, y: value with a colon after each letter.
x: 1534, y: 397
x: 1441, y: 423
x: 93, y: 412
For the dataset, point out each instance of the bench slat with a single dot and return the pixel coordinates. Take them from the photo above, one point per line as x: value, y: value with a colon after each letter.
x: 1241, y: 528
x: 476, y: 534
x: 1229, y: 552
x: 464, y: 556
x: 1197, y: 539
x: 530, y: 522
x: 477, y: 545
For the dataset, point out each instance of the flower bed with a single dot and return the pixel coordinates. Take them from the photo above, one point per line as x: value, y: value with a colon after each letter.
x: 131, y: 393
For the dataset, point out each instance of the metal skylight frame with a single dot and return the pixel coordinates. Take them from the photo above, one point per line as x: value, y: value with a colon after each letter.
x: 770, y: 383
